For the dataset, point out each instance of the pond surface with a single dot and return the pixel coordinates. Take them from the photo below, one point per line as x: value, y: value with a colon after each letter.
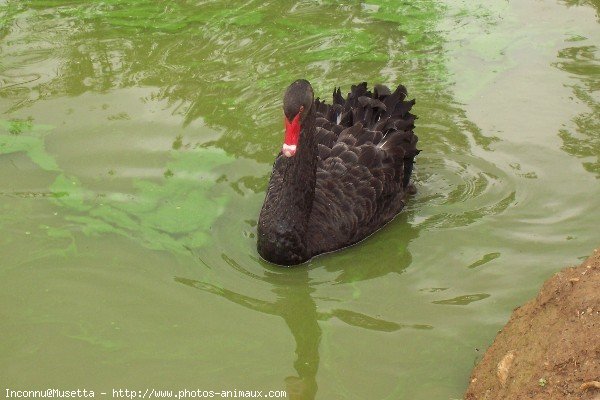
x: 136, y: 142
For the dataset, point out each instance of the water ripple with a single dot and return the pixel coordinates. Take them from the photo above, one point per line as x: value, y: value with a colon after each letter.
x: 462, y: 190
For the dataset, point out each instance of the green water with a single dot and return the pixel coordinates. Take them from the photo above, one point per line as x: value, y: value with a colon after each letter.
x: 136, y: 141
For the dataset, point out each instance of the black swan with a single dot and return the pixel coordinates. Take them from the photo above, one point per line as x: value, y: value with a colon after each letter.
x: 343, y: 172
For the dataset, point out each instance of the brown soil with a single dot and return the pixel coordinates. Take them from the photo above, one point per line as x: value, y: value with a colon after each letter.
x: 550, y: 348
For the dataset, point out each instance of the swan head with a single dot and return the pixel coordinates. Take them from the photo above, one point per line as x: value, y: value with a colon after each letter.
x: 297, y: 102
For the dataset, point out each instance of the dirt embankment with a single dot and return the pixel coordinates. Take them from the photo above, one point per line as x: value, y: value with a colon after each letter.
x: 550, y: 348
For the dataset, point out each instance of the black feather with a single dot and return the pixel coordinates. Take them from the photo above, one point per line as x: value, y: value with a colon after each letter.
x: 364, y: 147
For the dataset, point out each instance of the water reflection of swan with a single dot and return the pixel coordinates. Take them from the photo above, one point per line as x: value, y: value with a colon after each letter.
x: 299, y: 311
x: 296, y: 302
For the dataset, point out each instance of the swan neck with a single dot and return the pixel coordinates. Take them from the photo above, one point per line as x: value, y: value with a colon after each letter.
x: 288, y: 205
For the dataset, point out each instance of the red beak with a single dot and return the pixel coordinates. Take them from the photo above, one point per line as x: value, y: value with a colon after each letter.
x: 292, y: 134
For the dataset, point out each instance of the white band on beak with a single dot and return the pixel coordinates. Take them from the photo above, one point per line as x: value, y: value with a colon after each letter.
x: 288, y: 150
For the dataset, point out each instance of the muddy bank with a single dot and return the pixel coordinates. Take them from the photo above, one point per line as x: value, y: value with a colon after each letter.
x: 550, y: 348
